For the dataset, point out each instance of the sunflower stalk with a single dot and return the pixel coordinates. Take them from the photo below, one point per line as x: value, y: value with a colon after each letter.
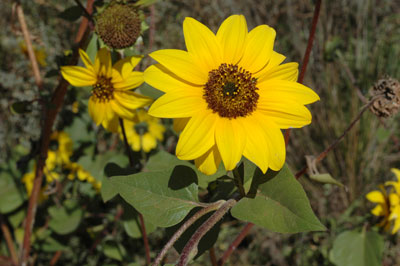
x: 212, y: 207
x: 190, y: 249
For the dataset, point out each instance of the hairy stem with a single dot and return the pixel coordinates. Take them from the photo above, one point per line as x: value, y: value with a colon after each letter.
x: 186, y: 225
x: 190, y: 249
x: 141, y: 220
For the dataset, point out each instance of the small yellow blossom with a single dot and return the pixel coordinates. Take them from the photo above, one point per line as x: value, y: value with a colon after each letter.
x: 144, y: 133
x: 112, y: 97
x: 40, y: 53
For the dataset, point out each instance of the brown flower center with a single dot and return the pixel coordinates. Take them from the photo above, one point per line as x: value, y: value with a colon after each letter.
x: 231, y: 91
x: 103, y: 90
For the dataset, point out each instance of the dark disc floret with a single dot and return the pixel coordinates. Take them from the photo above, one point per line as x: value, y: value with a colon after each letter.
x: 231, y: 91
x: 103, y: 90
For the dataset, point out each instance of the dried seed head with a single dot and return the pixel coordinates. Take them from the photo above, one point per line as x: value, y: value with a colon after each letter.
x: 118, y: 25
x: 388, y: 92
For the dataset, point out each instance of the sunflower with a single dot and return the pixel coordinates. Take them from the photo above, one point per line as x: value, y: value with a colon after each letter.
x: 111, y: 87
x: 382, y: 209
x: 231, y: 94
x: 144, y: 133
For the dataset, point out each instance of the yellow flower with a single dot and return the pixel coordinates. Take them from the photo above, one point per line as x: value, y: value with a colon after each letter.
x: 111, y: 94
x: 233, y: 92
x: 40, y: 53
x: 60, y: 150
x: 144, y: 133
x: 383, y: 206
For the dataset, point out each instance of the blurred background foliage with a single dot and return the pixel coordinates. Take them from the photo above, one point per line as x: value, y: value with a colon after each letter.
x: 357, y: 42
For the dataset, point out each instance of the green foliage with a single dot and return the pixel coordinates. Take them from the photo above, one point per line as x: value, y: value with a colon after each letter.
x: 163, y: 197
x: 65, y: 219
x: 11, y: 197
x: 71, y: 14
x: 23, y: 107
x: 279, y: 204
x: 357, y: 249
x: 326, y: 179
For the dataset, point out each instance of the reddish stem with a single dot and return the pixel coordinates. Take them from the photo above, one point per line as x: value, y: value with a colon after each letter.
x: 235, y: 243
x: 49, y: 116
x: 307, y: 54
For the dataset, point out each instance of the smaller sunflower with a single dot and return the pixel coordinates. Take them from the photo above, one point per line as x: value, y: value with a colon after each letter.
x: 111, y: 87
x: 382, y: 209
x: 144, y: 133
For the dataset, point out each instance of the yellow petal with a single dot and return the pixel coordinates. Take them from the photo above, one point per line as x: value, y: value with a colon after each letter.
x: 258, y: 48
x: 201, y: 44
x: 157, y: 130
x: 197, y: 137
x: 232, y: 36
x: 96, y: 110
x: 180, y: 123
x: 111, y: 120
x: 396, y: 172
x: 209, y: 162
x: 102, y: 63
x: 275, y: 142
x: 85, y: 59
x: 132, y: 100
x: 394, y: 199
x: 286, y: 90
x: 180, y: 103
x: 285, y: 114
x: 121, y: 111
x: 288, y: 71
x: 396, y: 226
x: 133, y: 80
x: 231, y: 139
x: 275, y: 60
x: 375, y: 196
x: 256, y: 149
x: 377, y: 211
x: 181, y: 63
x: 164, y: 80
x: 148, y: 142
x: 78, y: 76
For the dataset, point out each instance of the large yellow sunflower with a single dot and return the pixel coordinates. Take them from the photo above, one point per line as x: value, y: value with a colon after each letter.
x: 233, y: 94
x: 111, y: 94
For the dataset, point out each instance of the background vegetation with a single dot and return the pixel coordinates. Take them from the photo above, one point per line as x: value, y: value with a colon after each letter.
x: 357, y: 43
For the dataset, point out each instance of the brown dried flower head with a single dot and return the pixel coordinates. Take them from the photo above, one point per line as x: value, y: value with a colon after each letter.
x: 387, y: 92
x: 118, y: 25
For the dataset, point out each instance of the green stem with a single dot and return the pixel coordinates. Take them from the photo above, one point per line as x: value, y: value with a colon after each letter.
x: 239, y: 182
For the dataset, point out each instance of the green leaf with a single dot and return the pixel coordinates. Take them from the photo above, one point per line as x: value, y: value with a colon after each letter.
x: 279, y: 204
x: 92, y: 47
x: 205, y: 243
x: 95, y: 165
x: 16, y: 218
x: 52, y: 245
x: 357, y: 249
x: 10, y: 196
x: 164, y: 160
x: 326, y: 179
x: 65, y: 219
x: 163, y: 197
x: 71, y: 13
x: 130, y: 220
x: 22, y: 107
x: 113, y: 250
